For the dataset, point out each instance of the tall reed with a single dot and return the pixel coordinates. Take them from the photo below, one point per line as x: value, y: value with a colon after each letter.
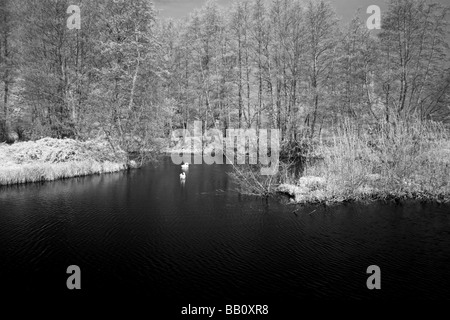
x: 394, y: 160
x: 51, y: 159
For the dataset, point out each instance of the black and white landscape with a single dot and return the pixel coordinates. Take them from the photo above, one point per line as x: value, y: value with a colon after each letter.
x: 136, y: 139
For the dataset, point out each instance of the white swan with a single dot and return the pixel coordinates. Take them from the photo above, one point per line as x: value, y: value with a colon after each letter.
x: 185, y: 165
x: 182, y: 176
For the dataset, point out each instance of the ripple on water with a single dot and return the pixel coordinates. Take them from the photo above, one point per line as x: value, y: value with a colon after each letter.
x: 142, y: 230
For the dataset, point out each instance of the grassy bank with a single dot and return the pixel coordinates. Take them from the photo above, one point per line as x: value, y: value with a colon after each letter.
x: 397, y: 161
x: 51, y: 159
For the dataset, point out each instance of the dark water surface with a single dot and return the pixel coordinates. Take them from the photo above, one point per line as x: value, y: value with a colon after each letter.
x: 144, y: 233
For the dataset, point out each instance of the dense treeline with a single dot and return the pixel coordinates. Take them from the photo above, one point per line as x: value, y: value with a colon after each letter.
x: 291, y: 66
x: 106, y: 79
x: 132, y: 77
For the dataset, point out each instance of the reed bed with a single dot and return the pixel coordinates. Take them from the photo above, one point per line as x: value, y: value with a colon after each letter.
x: 52, y: 159
x: 401, y: 160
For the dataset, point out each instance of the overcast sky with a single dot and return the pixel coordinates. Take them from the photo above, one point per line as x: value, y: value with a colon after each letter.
x: 181, y: 8
x: 344, y: 8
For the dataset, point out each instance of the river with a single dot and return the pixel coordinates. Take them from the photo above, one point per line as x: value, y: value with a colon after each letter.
x: 144, y: 232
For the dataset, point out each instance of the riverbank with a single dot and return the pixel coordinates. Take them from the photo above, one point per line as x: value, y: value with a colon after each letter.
x: 51, y: 159
x: 404, y: 161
